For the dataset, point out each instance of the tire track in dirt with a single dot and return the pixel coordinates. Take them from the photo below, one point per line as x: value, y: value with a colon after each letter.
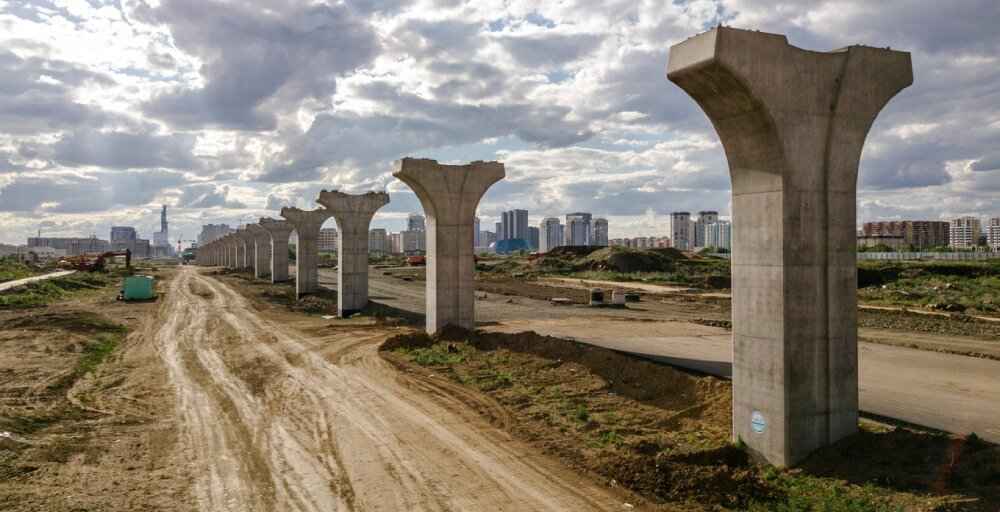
x: 341, y: 429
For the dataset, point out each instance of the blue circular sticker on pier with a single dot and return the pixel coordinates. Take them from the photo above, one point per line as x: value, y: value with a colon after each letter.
x: 757, y: 422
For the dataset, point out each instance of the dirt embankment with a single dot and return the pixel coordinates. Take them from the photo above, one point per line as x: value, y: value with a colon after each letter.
x: 665, y: 434
x: 86, y: 409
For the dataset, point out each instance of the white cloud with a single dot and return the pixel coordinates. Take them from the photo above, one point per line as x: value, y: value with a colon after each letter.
x: 227, y: 111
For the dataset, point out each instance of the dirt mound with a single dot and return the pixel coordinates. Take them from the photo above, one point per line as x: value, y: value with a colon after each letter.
x: 624, y: 259
x: 573, y: 251
x: 616, y: 259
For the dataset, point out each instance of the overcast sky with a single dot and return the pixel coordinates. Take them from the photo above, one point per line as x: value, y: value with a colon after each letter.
x: 227, y: 111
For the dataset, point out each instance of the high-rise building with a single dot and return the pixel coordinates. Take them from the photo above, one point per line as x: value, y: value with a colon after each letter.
x: 514, y: 225
x: 550, y: 234
x: 719, y: 234
x: 680, y: 230
x: 327, y: 241
x: 486, y: 238
x: 475, y: 232
x: 396, y: 243
x: 415, y: 222
x: 921, y: 234
x: 71, y: 246
x: 533, y: 236
x: 704, y: 218
x: 378, y: 242
x: 498, y: 231
x: 123, y: 233
x: 413, y: 242
x: 600, y: 235
x: 993, y: 233
x: 125, y: 238
x: 578, y: 229
x: 964, y: 232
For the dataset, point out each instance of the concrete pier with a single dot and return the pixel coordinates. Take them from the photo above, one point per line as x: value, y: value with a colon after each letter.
x: 279, y: 230
x: 449, y: 195
x: 353, y: 213
x: 793, y: 124
x: 244, y: 248
x: 261, y: 251
x: 307, y: 224
x: 229, y: 244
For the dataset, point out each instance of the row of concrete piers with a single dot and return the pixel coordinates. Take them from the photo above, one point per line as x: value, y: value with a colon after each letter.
x: 793, y: 124
x: 449, y: 195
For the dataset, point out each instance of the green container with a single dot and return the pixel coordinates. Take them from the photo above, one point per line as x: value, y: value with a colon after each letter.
x: 137, y: 288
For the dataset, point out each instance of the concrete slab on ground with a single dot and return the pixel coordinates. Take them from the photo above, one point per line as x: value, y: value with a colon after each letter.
x: 9, y: 285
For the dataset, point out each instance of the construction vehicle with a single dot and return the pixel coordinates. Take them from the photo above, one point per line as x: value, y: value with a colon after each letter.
x: 416, y: 261
x: 94, y: 262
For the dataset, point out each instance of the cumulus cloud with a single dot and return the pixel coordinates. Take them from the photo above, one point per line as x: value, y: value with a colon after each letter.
x: 37, y: 95
x: 229, y: 110
x: 74, y: 193
x: 257, y: 62
x: 118, y: 150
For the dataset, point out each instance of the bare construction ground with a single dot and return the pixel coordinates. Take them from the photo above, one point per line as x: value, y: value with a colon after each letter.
x: 279, y: 411
x: 224, y: 395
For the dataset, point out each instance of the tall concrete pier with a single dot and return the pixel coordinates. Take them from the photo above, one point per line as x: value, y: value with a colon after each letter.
x: 353, y: 214
x: 307, y: 224
x: 449, y: 195
x: 261, y: 251
x: 279, y: 230
x: 230, y: 251
x: 244, y: 247
x: 793, y: 124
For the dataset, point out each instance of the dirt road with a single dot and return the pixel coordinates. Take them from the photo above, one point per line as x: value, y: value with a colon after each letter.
x: 291, y: 414
x: 938, y: 390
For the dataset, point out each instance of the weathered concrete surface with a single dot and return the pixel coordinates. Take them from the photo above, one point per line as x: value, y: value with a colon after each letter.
x: 793, y: 124
x: 229, y: 251
x: 449, y: 195
x: 307, y: 224
x: 279, y: 230
x: 261, y: 251
x: 244, y: 249
x: 10, y: 285
x: 353, y: 214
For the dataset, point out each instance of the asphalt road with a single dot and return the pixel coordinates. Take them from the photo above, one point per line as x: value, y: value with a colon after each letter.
x: 947, y: 392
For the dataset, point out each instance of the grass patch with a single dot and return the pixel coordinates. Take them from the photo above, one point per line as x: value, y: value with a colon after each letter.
x: 95, y: 352
x: 11, y: 270
x: 665, y: 434
x: 810, y: 494
x: 967, y: 286
x: 44, y: 292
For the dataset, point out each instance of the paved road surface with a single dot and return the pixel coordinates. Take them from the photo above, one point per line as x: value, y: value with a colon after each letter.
x: 21, y: 282
x: 335, y: 428
x: 943, y: 391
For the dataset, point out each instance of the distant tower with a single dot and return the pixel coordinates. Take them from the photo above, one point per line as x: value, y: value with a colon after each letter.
x: 163, y: 220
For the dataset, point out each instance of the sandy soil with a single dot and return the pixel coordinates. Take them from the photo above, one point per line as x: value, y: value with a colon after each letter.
x: 103, y: 440
x: 286, y: 412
